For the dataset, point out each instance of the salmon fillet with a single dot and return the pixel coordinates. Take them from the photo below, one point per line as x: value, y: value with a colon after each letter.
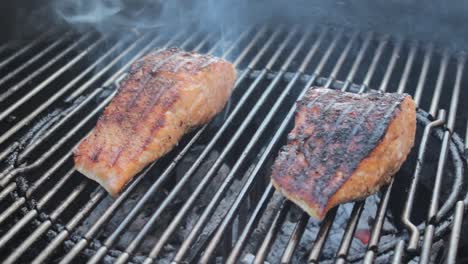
x: 343, y: 147
x: 165, y: 94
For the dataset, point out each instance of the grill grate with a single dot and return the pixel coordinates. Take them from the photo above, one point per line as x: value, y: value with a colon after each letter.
x: 221, y: 205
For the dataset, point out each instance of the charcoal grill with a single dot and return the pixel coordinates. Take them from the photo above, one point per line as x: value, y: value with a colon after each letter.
x: 210, y: 199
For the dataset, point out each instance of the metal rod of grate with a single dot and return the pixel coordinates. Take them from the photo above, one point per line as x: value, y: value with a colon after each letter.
x: 279, y: 68
x: 25, y: 245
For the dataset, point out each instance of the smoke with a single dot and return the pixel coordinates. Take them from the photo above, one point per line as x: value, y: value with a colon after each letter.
x: 428, y: 20
x: 436, y: 20
x: 88, y: 11
x: 109, y: 15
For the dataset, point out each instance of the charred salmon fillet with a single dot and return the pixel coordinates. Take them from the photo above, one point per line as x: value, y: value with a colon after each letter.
x: 343, y: 147
x: 165, y: 94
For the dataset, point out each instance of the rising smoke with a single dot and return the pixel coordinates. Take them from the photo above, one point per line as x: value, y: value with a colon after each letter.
x: 426, y: 20
x: 437, y: 20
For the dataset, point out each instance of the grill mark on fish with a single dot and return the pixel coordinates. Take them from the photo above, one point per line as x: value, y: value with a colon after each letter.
x: 331, y: 189
x: 377, y: 135
x: 141, y: 124
x: 329, y: 138
x: 209, y: 61
x: 140, y: 91
x: 363, y: 136
x: 160, y: 64
x: 95, y: 155
x: 163, y: 84
x: 307, y: 139
x: 141, y: 62
x: 182, y: 63
x: 381, y: 128
x: 197, y: 61
x: 361, y: 120
x: 328, y: 183
x: 154, y: 70
x: 323, y: 155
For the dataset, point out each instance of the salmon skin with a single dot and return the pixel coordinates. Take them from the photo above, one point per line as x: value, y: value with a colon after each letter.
x: 343, y: 147
x: 164, y: 95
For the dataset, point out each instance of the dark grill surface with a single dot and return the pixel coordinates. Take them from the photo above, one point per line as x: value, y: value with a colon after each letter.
x: 210, y: 198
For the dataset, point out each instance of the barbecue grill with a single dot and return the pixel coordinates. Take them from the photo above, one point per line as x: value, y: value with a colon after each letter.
x: 210, y: 200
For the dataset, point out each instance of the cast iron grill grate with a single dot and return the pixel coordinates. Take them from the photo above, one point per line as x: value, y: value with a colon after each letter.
x: 210, y: 198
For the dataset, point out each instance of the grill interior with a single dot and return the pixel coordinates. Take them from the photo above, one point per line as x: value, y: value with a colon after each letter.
x: 210, y: 198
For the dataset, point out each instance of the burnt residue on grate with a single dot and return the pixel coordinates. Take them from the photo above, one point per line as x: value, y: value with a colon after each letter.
x: 210, y: 198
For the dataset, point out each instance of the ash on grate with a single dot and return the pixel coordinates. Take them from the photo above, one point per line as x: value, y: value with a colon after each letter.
x: 358, y: 246
x: 165, y: 219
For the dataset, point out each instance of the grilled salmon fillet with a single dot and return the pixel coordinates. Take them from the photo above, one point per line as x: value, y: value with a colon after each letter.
x: 165, y: 94
x: 343, y: 147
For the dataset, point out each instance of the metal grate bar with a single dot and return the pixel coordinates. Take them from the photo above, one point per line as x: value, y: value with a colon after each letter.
x: 328, y: 52
x: 102, y: 220
x: 207, y: 178
x: 357, y: 62
x: 85, y: 86
x: 399, y: 252
x: 49, y: 195
x: 31, y: 76
x: 349, y: 232
x: 17, y: 228
x: 295, y: 238
x: 423, y: 76
x: 341, y: 59
x: 408, y: 67
x: 440, y: 82
x: 222, y: 189
x: 247, y: 230
x: 456, y: 92
x: 375, y: 60
x: 138, y: 55
x: 5, y: 180
x: 317, y: 72
x: 95, y: 199
x: 13, y: 257
x: 346, y: 242
x: 33, y: 213
x: 11, y: 209
x: 268, y: 55
x: 270, y: 235
x: 38, y: 56
x: 434, y: 206
x: 230, y: 177
x: 322, y: 236
x: 326, y: 226
x: 335, y: 70
x: 414, y: 237
x: 254, y: 218
x: 58, y: 94
x: 391, y: 64
x: 165, y: 174
x: 434, y: 213
x: 373, y: 244
x: 127, y: 220
x: 95, y: 93
x: 26, y: 48
x: 455, y: 234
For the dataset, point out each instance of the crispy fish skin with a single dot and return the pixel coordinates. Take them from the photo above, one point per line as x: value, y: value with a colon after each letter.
x: 343, y: 147
x: 165, y: 94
